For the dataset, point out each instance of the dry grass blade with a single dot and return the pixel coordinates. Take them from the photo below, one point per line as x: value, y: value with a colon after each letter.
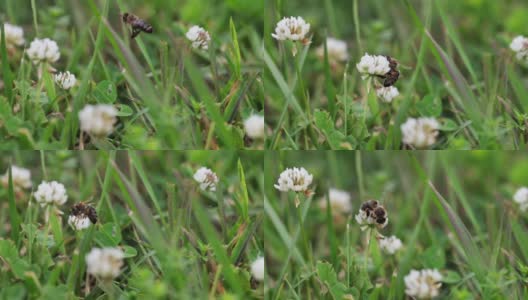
x: 463, y: 88
x: 152, y: 231
x: 472, y: 251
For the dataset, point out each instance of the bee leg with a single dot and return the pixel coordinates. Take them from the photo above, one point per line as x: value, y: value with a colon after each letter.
x: 135, y: 32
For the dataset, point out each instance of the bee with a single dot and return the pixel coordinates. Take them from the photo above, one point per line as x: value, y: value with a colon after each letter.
x: 392, y: 76
x: 369, y: 206
x: 138, y: 25
x: 82, y: 209
x: 380, y: 214
x: 375, y: 211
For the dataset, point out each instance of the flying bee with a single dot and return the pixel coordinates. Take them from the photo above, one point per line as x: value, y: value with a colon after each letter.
x: 137, y: 24
x: 82, y: 209
x: 392, y: 76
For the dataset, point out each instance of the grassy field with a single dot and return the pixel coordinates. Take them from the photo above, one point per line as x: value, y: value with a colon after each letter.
x: 452, y: 210
x: 178, y: 241
x: 454, y: 61
x: 166, y: 94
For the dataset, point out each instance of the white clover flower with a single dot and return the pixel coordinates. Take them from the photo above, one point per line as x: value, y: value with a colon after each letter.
x: 423, y: 284
x: 21, y: 178
x: 51, y: 193
x: 373, y: 65
x: 65, y: 80
x: 521, y: 197
x: 390, y: 244
x: 294, y: 179
x: 371, y: 214
x: 14, y: 35
x: 337, y: 50
x: 339, y: 201
x: 292, y: 28
x: 44, y: 50
x: 79, y: 222
x: 387, y: 93
x: 364, y: 220
x: 420, y: 132
x: 207, y: 179
x: 254, y: 127
x: 98, y: 120
x: 257, y: 269
x: 104, y: 263
x: 199, y: 37
x: 519, y: 45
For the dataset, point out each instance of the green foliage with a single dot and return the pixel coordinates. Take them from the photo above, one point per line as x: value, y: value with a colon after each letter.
x: 178, y: 242
x: 448, y: 216
x: 454, y: 61
x: 169, y: 95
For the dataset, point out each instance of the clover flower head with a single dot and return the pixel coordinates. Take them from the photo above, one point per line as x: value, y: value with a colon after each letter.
x: 521, y: 198
x: 372, y: 214
x: 420, y: 132
x: 337, y: 50
x: 254, y: 127
x: 340, y: 201
x: 390, y: 244
x: 79, y: 222
x: 386, y: 94
x: 21, y: 178
x: 291, y: 28
x: 65, y: 80
x: 373, y: 65
x: 44, y: 50
x: 423, y: 284
x: 294, y: 179
x: 14, y: 35
x: 206, y: 178
x: 51, y: 193
x: 199, y: 37
x: 519, y: 45
x: 104, y: 263
x: 257, y: 269
x: 98, y: 120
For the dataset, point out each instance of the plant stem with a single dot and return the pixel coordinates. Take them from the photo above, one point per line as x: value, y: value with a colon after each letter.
x: 367, y: 250
x: 303, y: 232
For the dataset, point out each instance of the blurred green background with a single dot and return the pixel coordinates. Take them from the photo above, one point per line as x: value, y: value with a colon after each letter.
x: 477, y: 185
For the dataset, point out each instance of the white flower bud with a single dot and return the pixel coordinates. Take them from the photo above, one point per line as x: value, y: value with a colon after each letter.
x: 373, y: 65
x: 294, y: 179
x: 44, y: 50
x: 423, y: 284
x: 390, y: 244
x: 206, y: 178
x: 14, y: 35
x: 254, y: 127
x: 292, y: 28
x: 519, y: 45
x: 521, y: 198
x: 51, y: 193
x: 339, y: 201
x: 104, y: 263
x: 79, y: 222
x: 65, y: 80
x: 199, y: 37
x: 420, y: 132
x: 387, y: 93
x: 337, y: 50
x: 21, y: 178
x: 98, y: 120
x: 257, y: 269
